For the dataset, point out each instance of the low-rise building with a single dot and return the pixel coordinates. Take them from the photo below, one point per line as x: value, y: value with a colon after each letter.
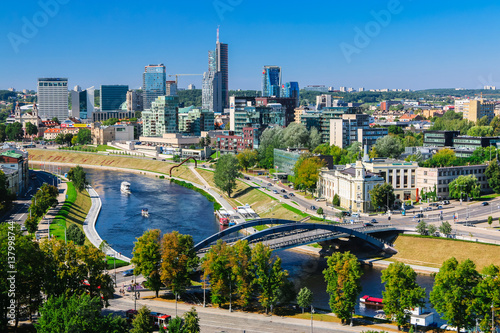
x: 439, y: 138
x: 15, y: 165
x: 230, y: 143
x: 173, y: 140
x: 101, y: 135
x: 429, y: 179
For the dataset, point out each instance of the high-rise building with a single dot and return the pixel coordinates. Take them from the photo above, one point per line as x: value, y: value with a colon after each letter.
x: 291, y: 90
x: 476, y: 109
x: 271, y: 81
x: 134, y: 101
x: 153, y: 83
x: 113, y: 96
x: 53, y: 98
x: 82, y: 103
x: 215, y: 87
x: 162, y: 117
x: 171, y: 88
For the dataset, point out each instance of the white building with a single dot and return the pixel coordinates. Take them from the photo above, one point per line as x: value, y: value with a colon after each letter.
x: 53, y: 98
x: 459, y: 104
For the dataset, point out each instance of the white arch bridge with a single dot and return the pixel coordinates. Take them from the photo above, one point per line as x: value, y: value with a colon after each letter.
x: 285, y: 234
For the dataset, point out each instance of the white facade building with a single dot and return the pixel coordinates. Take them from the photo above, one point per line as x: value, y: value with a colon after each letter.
x: 53, y: 98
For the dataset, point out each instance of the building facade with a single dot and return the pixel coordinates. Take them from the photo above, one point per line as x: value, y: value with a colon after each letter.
x: 354, y: 128
x: 14, y: 163
x: 154, y: 81
x: 477, y: 109
x: 291, y: 90
x: 162, y: 118
x: 112, y: 97
x: 52, y: 97
x: 271, y: 81
x: 439, y: 138
x: 134, y: 101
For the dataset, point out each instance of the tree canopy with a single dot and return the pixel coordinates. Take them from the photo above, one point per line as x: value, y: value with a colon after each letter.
x: 146, y: 257
x: 389, y: 146
x: 465, y: 185
x: 493, y: 175
x: 382, y: 195
x: 306, y: 172
x: 79, y: 178
x: 226, y: 173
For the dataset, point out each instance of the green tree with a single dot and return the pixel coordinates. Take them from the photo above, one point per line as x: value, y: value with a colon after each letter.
x: 314, y: 138
x: 422, y: 228
x: 382, y: 196
x: 487, y: 294
x: 6, y: 196
x: 247, y: 158
x: 389, y: 146
x: 143, y: 322
x: 176, y: 325
x: 402, y: 293
x: 110, y: 121
x: 31, y: 129
x: 73, y: 233
x: 271, y: 138
x: 226, y: 173
x: 495, y: 124
x: 304, y: 298
x: 445, y: 228
x: 343, y: 279
x: 14, y: 131
x: 443, y: 158
x: 353, y: 153
x: 306, y: 172
x: 395, y: 130
x: 483, y: 121
x: 336, y: 200
x: 295, y: 136
x: 179, y: 260
x: 84, y: 136
x: 217, y: 269
x: 270, y: 278
x: 467, y: 185
x: 60, y: 139
x: 56, y: 120
x: 68, y: 137
x: 431, y: 229
x: 3, y: 133
x: 493, y: 175
x: 490, y: 220
x: 242, y: 270
x: 146, y: 257
x: 480, y: 131
x: 319, y: 211
x: 79, y: 178
x: 337, y: 153
x: 191, y: 321
x: 453, y: 293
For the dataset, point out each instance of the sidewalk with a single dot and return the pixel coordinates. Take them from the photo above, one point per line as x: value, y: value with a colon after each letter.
x: 44, y: 224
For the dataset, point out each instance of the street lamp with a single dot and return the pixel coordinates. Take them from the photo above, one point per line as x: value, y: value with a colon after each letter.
x: 312, y: 312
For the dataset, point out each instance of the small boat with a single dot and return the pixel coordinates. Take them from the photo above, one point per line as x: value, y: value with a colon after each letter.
x: 125, y: 187
x: 371, y: 301
x: 145, y: 212
x: 224, y: 221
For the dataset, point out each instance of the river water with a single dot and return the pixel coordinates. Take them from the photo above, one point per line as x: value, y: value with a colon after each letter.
x: 175, y: 208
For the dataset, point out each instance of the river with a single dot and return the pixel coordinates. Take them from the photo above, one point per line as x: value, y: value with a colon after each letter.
x: 173, y: 207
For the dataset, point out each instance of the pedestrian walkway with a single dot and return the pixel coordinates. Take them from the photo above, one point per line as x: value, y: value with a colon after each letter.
x: 44, y: 224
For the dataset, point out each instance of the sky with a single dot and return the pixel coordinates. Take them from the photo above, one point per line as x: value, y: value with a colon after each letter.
x: 406, y: 44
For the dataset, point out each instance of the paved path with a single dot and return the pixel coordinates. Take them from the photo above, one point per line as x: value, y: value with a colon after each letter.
x: 44, y: 224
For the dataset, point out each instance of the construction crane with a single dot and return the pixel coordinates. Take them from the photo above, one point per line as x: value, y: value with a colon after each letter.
x: 177, y: 76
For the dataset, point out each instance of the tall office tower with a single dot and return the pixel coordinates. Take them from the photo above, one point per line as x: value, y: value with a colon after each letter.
x: 162, y: 117
x: 171, y: 88
x: 215, y: 91
x: 53, y: 98
x: 153, y: 83
x: 134, y: 100
x: 82, y: 103
x: 291, y: 90
x: 271, y: 81
x: 113, y: 96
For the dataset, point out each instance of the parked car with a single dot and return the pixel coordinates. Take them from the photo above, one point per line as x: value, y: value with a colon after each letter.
x: 283, y: 191
x: 314, y: 207
x: 291, y: 194
x: 445, y: 202
x: 418, y: 216
x: 433, y: 204
x: 247, y: 178
x: 428, y: 208
x: 286, y: 197
x: 275, y: 192
x: 373, y: 221
x: 128, y: 272
x: 269, y: 184
x: 320, y: 199
x: 485, y: 203
x: 346, y: 213
x: 439, y: 207
x: 367, y: 224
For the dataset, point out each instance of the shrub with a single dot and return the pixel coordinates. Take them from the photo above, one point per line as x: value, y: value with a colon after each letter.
x: 73, y: 233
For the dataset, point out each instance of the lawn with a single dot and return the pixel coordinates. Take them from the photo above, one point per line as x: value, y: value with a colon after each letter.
x: 432, y: 252
x: 105, y: 147
x: 73, y: 211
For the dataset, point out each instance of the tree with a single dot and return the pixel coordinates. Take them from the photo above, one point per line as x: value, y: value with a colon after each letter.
x: 68, y: 137
x: 247, y: 158
x: 110, y: 121
x: 487, y: 294
x: 226, y: 173
x: 304, y: 298
x: 480, y: 131
x: 314, y: 138
x: 295, y: 136
x: 77, y: 313
x: 269, y: 276
x: 31, y: 129
x: 483, y: 121
x: 382, y: 195
x: 336, y: 200
x: 176, y: 325
x: 146, y: 257
x: 493, y: 175
x: 14, y: 131
x: 217, y: 269
x: 338, y: 154
x: 143, y: 322
x: 389, y: 146
x: 395, y: 130
x: 467, y: 185
x: 445, y: 228
x: 422, y: 228
x: 208, y: 140
x: 343, y: 277
x: 319, y: 211
x: 60, y: 139
x: 56, y: 120
x: 6, y: 196
x: 191, y: 321
x: 431, y: 229
x: 495, y: 124
x: 353, y: 152
x: 84, y: 136
x: 306, y: 172
x: 402, y: 293
x: 271, y: 138
x: 453, y: 293
x: 3, y: 133
x: 78, y: 176
x: 73, y: 233
x: 242, y: 271
x: 179, y: 260
x: 443, y: 158
x: 490, y: 220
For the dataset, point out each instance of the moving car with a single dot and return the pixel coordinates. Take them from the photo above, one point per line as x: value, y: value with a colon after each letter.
x: 373, y: 221
x: 485, y: 203
x: 128, y: 272
x: 418, y: 216
x: 286, y: 197
x: 367, y: 224
x: 291, y: 194
x: 275, y: 192
x: 314, y: 207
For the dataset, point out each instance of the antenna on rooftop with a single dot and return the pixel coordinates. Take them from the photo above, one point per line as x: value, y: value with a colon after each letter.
x: 218, y: 34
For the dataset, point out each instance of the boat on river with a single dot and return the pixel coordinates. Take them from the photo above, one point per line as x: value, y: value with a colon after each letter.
x: 145, y: 212
x: 125, y: 187
x: 371, y: 301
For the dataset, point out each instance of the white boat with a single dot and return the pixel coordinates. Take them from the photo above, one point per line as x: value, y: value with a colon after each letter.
x: 125, y: 187
x: 145, y: 212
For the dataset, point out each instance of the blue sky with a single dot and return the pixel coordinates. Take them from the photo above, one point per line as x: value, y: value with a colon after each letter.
x: 421, y: 44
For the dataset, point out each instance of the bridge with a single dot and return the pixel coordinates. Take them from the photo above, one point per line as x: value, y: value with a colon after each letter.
x: 285, y: 234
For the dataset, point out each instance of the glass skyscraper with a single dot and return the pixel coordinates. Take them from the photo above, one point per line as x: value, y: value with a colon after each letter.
x: 153, y: 83
x: 291, y: 90
x: 271, y: 81
x: 113, y: 96
x: 215, y: 89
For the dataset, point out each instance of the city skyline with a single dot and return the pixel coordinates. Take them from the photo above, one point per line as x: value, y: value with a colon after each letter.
x: 391, y: 44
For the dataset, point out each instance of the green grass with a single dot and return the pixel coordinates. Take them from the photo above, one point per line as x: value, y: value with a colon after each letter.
x: 119, y: 263
x: 489, y: 196
x: 58, y: 226
x: 295, y: 210
x: 217, y: 206
x: 261, y: 227
x: 105, y: 147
